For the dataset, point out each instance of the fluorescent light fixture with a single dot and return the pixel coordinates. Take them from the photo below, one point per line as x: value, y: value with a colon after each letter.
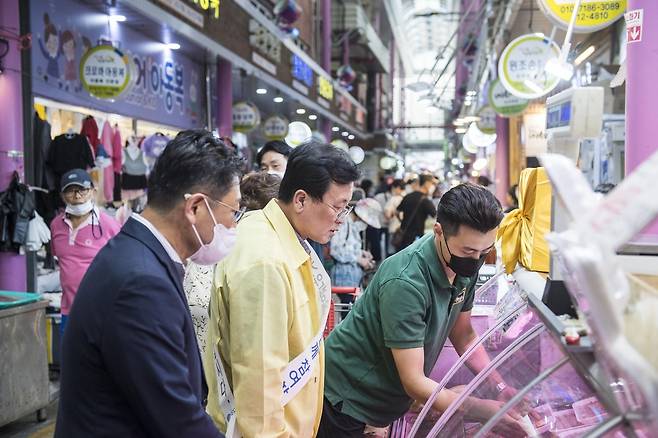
x: 312, y: 117
x: 335, y: 129
x: 261, y: 91
x: 460, y: 130
x: 350, y: 137
x: 344, y: 133
x: 586, y: 54
x: 278, y: 99
x: 533, y: 86
x: 118, y: 18
x: 173, y: 46
x: 419, y: 86
x: 301, y: 111
x: 560, y: 68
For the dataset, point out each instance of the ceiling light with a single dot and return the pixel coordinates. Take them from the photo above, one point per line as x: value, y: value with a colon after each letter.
x: 335, y: 129
x: 455, y: 161
x: 261, y: 91
x: 312, y: 117
x: 173, y: 46
x: 350, y: 137
x: 472, y: 93
x: 475, y: 173
x: 586, y: 54
x: 118, y: 18
x: 344, y: 133
x: 460, y: 130
x: 278, y: 99
x: 468, y: 103
x: 459, y: 122
x: 301, y: 111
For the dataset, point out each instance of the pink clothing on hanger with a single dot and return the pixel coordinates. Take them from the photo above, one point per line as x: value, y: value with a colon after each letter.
x: 107, y: 137
x: 116, y: 150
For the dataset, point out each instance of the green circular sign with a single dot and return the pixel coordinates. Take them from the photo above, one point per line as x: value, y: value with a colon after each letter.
x: 592, y: 15
x: 505, y: 103
x: 521, y: 66
x: 105, y: 72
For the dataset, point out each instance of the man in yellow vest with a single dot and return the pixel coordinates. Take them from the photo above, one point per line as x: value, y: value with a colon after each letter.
x: 270, y: 299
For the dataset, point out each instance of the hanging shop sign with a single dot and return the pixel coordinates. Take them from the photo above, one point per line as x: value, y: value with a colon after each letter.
x: 105, y: 72
x: 264, y: 41
x: 325, y: 88
x: 301, y: 71
x: 246, y: 116
x: 155, y: 85
x: 487, y: 122
x: 298, y: 133
x: 503, y: 102
x: 521, y: 66
x: 208, y: 5
x: 592, y: 15
x: 275, y: 128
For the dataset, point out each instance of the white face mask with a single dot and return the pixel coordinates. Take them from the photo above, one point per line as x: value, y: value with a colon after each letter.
x: 219, y: 247
x: 79, y: 209
x: 276, y: 172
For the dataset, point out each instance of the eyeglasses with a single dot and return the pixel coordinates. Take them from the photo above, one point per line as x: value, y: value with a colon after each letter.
x: 342, y: 213
x: 237, y: 212
x: 78, y: 191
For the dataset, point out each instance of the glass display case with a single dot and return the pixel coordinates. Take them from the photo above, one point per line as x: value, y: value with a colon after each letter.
x: 552, y: 388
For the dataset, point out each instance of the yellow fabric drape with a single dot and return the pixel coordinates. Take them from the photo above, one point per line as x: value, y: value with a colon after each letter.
x: 522, y: 231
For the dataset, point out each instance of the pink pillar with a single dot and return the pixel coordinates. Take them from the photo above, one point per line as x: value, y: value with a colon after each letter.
x: 501, y: 175
x: 641, y: 98
x: 224, y: 110
x: 12, y: 266
x: 325, y: 125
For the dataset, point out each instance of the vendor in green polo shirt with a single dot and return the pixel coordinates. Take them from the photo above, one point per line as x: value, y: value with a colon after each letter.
x: 379, y: 357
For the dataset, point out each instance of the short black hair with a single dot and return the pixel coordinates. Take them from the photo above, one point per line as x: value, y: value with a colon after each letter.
x: 195, y: 161
x: 276, y: 146
x: 471, y: 205
x: 425, y: 178
x: 312, y: 167
x: 399, y: 183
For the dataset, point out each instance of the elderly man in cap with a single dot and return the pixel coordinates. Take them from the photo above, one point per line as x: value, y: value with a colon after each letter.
x: 78, y: 234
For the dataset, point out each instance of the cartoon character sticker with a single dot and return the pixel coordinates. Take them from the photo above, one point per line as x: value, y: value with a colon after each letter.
x: 51, y: 50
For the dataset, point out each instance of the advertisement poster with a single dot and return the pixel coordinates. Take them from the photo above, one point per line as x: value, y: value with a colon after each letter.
x: 79, y: 56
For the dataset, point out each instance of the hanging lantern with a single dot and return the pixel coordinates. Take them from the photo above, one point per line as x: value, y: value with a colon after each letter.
x: 346, y: 75
x: 287, y: 12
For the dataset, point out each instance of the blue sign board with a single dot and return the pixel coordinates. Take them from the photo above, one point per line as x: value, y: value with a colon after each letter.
x: 301, y: 71
x: 165, y: 86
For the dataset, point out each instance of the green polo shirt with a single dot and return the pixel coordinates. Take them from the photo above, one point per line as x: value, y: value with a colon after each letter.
x: 408, y: 304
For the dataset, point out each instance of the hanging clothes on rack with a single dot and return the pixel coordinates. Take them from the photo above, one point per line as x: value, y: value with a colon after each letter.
x: 108, y: 171
x: 153, y: 147
x: 67, y: 152
x: 90, y: 130
x: 117, y: 162
x: 17, y: 208
x: 133, y: 179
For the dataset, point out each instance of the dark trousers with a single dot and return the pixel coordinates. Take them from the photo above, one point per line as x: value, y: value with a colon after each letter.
x: 334, y: 423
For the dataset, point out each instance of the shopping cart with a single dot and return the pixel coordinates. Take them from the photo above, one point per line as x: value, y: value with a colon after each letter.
x: 335, y: 309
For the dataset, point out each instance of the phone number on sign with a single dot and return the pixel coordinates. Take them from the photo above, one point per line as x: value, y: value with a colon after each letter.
x: 592, y: 8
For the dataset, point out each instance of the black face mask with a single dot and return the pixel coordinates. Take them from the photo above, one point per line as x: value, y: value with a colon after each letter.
x: 463, y: 266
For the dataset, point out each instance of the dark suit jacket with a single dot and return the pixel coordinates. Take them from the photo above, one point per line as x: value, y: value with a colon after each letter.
x: 130, y: 362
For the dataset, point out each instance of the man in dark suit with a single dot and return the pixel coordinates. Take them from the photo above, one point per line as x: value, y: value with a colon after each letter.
x: 130, y: 361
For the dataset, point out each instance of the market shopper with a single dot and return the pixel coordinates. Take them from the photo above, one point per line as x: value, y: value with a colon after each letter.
x: 414, y: 209
x: 270, y: 300
x: 256, y: 189
x: 379, y: 357
x: 273, y: 157
x: 78, y: 234
x: 131, y: 365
